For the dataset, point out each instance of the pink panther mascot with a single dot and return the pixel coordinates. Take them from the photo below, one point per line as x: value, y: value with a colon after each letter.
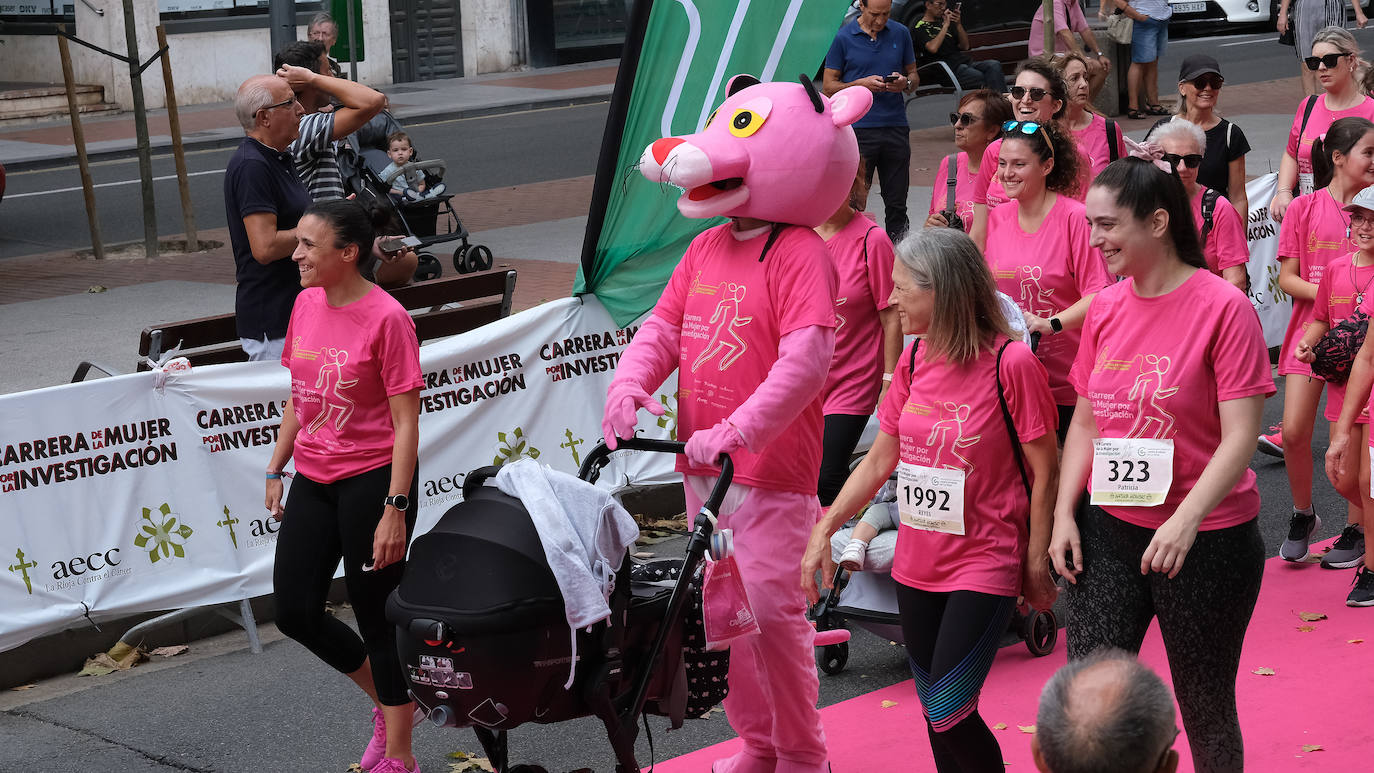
x: 748, y: 320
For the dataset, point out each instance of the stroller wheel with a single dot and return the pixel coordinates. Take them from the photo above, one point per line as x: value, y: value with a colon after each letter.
x: 1041, y: 631
x: 834, y: 657
x: 460, y: 259
x: 479, y: 257
x: 428, y: 267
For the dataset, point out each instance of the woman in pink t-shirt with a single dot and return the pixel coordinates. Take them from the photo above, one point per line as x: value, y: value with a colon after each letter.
x: 1038, y: 246
x: 1039, y: 95
x: 1223, y: 239
x: 971, y: 540
x: 1171, y: 378
x: 977, y: 123
x: 352, y: 426
x: 1336, y: 56
x: 867, y: 340
x: 1314, y: 232
x: 1098, y: 139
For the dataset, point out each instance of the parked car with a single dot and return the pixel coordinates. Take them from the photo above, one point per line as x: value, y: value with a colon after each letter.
x: 1223, y: 11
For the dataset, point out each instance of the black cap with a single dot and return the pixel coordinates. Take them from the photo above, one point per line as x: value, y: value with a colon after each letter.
x: 1197, y: 64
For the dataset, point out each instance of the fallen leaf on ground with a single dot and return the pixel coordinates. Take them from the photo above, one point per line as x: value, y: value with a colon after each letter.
x: 355, y: 768
x: 1264, y: 671
x: 1312, y: 747
x: 170, y: 652
x: 1000, y: 726
x: 24, y: 687
x: 1354, y: 641
x: 710, y: 711
x: 889, y: 704
x: 1027, y: 729
x: 1307, y: 628
x: 95, y: 289
x: 1311, y: 617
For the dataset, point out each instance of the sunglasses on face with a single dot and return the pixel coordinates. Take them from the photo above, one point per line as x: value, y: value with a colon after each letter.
x: 1192, y: 160
x: 964, y: 119
x: 1208, y: 81
x: 1330, y: 60
x: 1036, y: 94
x: 1030, y: 129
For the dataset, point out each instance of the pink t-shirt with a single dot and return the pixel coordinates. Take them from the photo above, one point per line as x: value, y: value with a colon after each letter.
x: 1158, y: 368
x: 345, y: 362
x: 1313, y: 232
x: 1226, y: 245
x: 863, y: 258
x: 1068, y: 15
x: 963, y: 189
x: 1317, y: 123
x: 987, y: 185
x: 948, y: 416
x: 733, y: 309
x: 1344, y: 287
x: 1094, y: 145
x: 1046, y: 272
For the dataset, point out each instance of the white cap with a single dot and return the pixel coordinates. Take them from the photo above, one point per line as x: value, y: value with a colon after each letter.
x: 1363, y: 200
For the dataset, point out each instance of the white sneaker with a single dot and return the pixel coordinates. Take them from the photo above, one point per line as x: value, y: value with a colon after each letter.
x: 852, y: 557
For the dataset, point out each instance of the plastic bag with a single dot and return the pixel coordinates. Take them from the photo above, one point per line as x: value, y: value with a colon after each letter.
x: 726, y: 612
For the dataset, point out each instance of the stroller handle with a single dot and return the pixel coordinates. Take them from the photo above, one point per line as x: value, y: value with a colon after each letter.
x: 601, y: 455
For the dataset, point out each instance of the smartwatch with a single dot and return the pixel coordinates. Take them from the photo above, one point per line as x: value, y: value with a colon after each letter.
x: 399, y: 501
x: 1056, y: 325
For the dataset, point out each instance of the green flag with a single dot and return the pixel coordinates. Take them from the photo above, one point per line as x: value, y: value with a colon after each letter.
x: 688, y: 52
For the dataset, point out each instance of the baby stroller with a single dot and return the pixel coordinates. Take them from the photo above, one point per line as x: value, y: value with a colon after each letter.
x: 483, y: 638
x: 361, y: 161
x: 869, y: 599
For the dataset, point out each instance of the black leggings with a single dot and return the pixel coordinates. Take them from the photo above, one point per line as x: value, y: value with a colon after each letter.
x: 842, y: 433
x: 323, y: 523
x: 1203, y: 614
x: 951, y: 639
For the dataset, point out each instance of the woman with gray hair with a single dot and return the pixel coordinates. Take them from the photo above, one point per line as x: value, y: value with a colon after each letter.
x: 1335, y: 59
x: 1220, y: 227
x: 967, y: 405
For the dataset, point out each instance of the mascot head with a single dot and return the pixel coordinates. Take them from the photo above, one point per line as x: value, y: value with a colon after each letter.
x: 779, y: 152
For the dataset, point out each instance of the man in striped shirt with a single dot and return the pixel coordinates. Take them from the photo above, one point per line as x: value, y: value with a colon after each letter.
x: 305, y: 66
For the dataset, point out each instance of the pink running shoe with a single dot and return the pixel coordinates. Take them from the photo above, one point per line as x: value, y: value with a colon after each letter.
x: 389, y: 765
x: 1272, y: 443
x: 376, y: 747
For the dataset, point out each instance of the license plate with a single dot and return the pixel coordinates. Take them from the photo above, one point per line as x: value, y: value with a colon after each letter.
x: 1188, y: 7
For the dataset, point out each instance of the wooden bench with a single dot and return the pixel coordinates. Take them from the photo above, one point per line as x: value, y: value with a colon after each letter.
x: 1007, y: 46
x: 478, y: 298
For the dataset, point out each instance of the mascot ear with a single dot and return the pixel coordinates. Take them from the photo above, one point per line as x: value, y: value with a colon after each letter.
x: 741, y: 82
x: 849, y: 105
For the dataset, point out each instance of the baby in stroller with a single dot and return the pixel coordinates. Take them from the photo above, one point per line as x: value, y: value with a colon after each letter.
x: 858, y: 548
x: 408, y: 183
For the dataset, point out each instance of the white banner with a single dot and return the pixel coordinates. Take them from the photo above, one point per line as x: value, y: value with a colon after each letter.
x: 120, y: 496
x: 1272, y: 304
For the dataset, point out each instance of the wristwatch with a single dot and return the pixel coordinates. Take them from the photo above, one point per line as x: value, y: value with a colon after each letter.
x: 399, y: 501
x: 1056, y: 325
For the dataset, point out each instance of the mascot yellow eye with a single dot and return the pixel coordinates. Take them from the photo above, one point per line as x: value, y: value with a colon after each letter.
x: 745, y: 122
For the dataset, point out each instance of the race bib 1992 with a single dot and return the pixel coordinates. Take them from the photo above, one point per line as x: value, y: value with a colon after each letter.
x: 930, y: 499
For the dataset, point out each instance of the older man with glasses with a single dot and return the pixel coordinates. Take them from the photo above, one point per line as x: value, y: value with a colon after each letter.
x: 263, y: 200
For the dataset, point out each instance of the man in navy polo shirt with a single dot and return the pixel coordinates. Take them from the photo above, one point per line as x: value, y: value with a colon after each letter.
x: 263, y: 200
x: 876, y: 53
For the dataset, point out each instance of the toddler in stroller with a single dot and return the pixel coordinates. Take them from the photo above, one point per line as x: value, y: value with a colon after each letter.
x: 410, y: 181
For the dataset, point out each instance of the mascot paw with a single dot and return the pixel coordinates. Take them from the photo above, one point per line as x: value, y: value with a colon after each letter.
x: 745, y: 762
x: 705, y: 447
x: 623, y: 401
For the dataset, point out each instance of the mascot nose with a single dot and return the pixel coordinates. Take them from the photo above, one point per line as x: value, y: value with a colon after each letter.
x: 661, y: 148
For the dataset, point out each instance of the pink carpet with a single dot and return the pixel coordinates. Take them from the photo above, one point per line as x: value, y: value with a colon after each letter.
x: 1321, y: 692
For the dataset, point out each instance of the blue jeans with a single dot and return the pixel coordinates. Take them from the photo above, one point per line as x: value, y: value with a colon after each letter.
x: 1148, y: 40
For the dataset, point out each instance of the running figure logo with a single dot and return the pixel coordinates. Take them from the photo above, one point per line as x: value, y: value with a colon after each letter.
x: 1035, y: 298
x: 330, y: 385
x: 1148, y: 392
x: 948, y: 432
x: 725, y: 339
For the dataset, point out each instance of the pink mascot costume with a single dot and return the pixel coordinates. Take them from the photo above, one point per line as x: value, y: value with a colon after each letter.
x: 748, y: 320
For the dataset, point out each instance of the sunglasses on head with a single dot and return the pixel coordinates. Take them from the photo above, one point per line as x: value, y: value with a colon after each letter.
x: 1192, y: 160
x: 1209, y: 80
x: 1030, y: 129
x: 963, y: 119
x: 1330, y: 60
x: 1036, y: 94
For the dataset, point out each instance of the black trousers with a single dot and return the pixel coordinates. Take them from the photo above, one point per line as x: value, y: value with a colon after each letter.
x: 842, y: 433
x: 326, y: 522
x: 886, y: 150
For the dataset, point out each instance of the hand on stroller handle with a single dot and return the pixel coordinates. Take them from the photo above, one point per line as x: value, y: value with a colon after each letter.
x: 601, y: 455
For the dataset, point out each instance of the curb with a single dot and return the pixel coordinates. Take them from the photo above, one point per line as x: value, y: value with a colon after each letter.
x: 227, y: 137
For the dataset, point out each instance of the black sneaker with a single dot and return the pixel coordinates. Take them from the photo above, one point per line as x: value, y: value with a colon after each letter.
x: 1362, y: 595
x: 1300, y: 531
x: 1347, y: 552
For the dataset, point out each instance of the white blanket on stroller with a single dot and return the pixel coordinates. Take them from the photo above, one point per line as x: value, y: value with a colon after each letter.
x: 585, y: 533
